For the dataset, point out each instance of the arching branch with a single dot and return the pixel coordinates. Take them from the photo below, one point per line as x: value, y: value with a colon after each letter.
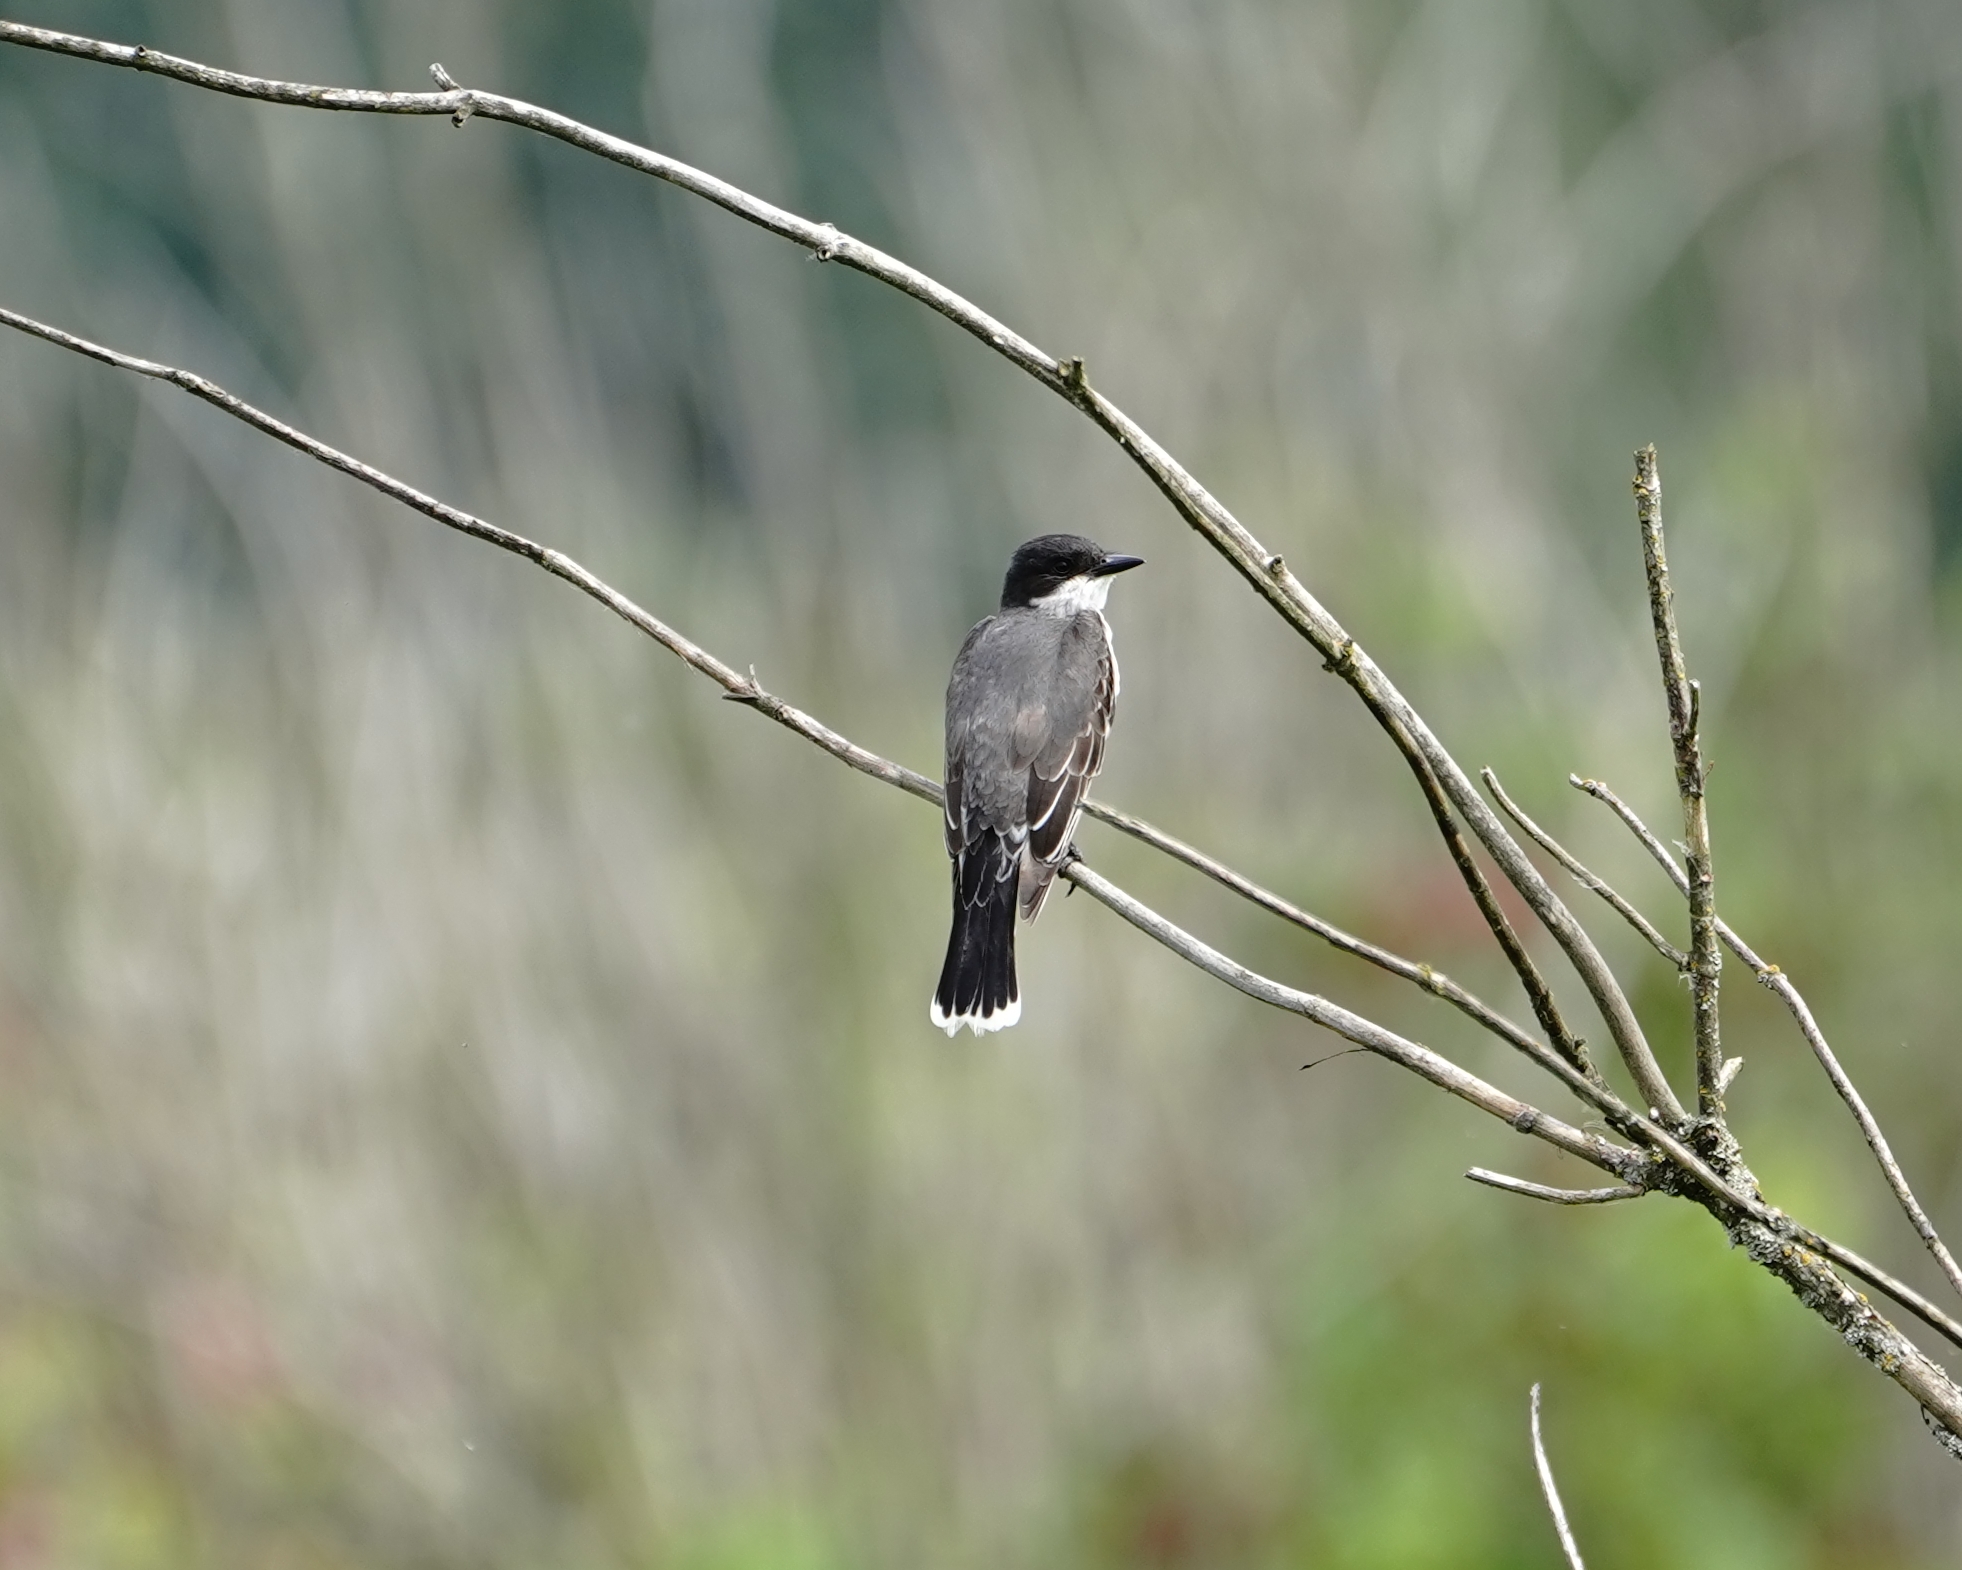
x: 1437, y: 771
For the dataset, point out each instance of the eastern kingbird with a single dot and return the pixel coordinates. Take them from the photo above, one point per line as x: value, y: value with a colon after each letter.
x: 1028, y: 708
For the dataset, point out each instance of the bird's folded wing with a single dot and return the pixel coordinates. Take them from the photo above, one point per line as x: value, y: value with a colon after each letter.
x: 1061, y: 772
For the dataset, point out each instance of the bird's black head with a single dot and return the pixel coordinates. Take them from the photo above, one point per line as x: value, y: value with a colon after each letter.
x: 1043, y: 565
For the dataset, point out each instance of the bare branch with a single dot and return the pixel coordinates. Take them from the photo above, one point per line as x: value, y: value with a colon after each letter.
x: 1791, y: 1252
x: 1538, y: 993
x: 1749, y: 1218
x: 1547, y: 1487
x: 738, y: 686
x: 746, y: 690
x: 1586, y: 879
x: 1420, y: 1060
x: 1767, y: 1234
x: 1554, y: 1196
x: 1685, y: 707
x: 1650, y: 842
x: 735, y: 683
x: 1430, y: 980
x: 1776, y: 981
x: 1263, y: 569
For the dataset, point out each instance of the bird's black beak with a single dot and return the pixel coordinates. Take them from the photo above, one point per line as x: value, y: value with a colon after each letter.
x: 1111, y: 564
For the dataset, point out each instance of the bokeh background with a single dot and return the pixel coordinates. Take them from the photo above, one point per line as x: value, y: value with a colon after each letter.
x: 465, y: 1092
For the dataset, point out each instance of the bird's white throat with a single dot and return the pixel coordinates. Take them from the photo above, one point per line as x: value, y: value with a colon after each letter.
x: 1073, y: 596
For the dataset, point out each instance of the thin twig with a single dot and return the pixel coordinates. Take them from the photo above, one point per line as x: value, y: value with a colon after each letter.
x: 1685, y: 705
x: 1650, y: 842
x: 1774, y: 1241
x: 1547, y: 1487
x: 1776, y: 981
x: 1263, y: 569
x: 735, y: 683
x: 1429, y: 979
x: 1586, y: 879
x: 1555, y: 1196
x: 1420, y: 1060
x: 1538, y: 993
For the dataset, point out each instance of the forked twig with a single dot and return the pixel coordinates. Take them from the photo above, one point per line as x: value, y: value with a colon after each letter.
x: 1586, y: 879
x: 1776, y: 981
x: 1552, y: 1491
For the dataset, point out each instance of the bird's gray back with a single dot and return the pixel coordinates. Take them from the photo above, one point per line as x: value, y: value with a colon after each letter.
x: 1025, y: 687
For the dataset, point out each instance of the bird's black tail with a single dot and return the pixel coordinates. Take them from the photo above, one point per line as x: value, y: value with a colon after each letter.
x: 977, y: 984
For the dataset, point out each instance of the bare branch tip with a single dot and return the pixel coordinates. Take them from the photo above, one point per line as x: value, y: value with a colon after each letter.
x: 1554, y: 1196
x: 750, y: 691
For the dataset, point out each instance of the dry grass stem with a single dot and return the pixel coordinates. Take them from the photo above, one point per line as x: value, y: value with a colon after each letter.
x: 1547, y: 1486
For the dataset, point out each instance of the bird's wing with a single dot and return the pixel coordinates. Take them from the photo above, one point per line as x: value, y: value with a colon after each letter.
x: 956, y: 826
x: 1073, y: 752
x: 952, y: 832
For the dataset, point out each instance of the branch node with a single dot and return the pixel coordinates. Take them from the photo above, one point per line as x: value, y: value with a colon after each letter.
x: 750, y: 692
x: 1586, y: 879
x: 449, y: 84
x: 1076, y: 375
x: 827, y: 249
x: 1276, y: 566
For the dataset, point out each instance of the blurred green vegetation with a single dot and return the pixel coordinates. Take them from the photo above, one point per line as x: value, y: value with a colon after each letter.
x: 465, y: 1094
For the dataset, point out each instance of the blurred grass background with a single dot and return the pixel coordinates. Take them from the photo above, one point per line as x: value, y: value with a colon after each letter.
x: 465, y: 1093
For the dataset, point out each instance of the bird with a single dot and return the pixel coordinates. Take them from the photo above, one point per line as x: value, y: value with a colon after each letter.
x: 1029, y: 707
